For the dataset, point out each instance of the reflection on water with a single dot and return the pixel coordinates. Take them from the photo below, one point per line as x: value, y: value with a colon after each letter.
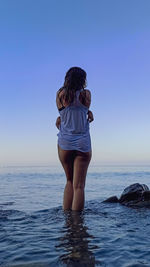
x: 34, y: 231
x: 75, y: 241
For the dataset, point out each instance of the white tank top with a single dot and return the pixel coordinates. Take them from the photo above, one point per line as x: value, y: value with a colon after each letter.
x: 74, y: 127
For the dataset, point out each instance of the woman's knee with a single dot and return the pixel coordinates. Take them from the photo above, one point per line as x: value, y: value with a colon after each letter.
x: 79, y: 185
x: 69, y: 182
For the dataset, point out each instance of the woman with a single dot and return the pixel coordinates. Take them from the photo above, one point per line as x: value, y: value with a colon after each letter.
x: 74, y: 143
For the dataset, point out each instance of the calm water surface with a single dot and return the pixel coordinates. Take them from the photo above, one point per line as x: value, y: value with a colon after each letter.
x: 34, y: 231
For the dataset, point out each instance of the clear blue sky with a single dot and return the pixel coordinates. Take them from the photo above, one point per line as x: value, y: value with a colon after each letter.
x: 39, y: 41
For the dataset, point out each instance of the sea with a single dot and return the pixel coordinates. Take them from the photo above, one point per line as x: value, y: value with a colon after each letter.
x: 36, y: 232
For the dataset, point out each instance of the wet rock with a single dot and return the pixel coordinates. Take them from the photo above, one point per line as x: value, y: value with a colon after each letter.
x: 112, y: 199
x: 135, y: 188
x: 146, y: 195
x: 134, y: 195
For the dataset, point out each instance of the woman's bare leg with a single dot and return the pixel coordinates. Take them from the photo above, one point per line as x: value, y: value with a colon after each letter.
x: 81, y: 163
x: 67, y: 160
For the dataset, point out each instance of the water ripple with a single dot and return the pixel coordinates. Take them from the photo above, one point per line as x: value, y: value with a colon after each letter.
x: 34, y: 230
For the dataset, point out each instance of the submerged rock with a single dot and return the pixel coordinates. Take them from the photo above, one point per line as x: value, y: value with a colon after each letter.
x: 112, y: 199
x: 133, y: 195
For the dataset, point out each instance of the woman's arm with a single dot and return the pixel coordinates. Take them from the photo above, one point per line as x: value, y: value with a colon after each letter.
x: 85, y: 97
x: 90, y: 116
x: 88, y: 98
x: 58, y: 121
x: 58, y: 98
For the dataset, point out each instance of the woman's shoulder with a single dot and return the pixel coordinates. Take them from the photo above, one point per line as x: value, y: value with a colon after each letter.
x: 86, y: 92
x: 59, y: 96
x: 60, y: 92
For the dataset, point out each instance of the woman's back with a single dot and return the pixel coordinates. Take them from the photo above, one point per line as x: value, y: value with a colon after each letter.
x: 74, y: 117
x: 74, y: 127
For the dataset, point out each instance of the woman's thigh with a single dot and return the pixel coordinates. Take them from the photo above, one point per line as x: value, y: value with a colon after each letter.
x: 81, y: 163
x: 67, y: 160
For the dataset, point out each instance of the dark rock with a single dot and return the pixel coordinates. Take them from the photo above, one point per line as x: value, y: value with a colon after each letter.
x: 112, y: 199
x: 133, y: 194
x: 130, y: 197
x: 137, y: 195
x: 135, y: 188
x: 146, y: 196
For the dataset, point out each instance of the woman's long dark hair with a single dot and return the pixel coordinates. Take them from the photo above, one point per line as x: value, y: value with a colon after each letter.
x: 75, y: 79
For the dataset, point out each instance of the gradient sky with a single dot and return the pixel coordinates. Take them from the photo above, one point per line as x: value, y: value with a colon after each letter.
x: 39, y: 41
